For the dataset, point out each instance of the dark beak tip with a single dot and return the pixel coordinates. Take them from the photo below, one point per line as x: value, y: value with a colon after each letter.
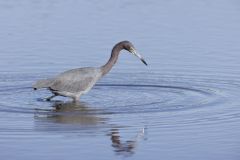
x: 144, y: 62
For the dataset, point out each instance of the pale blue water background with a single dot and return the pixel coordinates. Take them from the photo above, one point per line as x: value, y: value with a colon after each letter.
x: 184, y: 105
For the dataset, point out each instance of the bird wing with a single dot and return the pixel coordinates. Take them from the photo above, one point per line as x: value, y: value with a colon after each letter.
x: 76, y: 80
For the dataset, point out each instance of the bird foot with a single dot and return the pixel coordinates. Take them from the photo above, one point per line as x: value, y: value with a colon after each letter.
x: 49, y: 98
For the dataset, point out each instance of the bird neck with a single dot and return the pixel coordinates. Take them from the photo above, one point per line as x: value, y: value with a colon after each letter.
x: 112, y: 60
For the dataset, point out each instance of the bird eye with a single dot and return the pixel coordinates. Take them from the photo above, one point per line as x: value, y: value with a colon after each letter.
x: 132, y: 50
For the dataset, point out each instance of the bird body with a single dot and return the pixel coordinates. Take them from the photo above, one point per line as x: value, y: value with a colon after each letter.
x: 76, y: 82
x: 72, y: 83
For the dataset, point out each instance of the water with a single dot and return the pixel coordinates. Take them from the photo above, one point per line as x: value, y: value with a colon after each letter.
x: 184, y: 105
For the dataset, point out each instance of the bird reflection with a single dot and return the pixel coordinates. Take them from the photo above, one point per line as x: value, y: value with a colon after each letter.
x: 81, y: 116
x: 74, y: 113
x: 125, y: 148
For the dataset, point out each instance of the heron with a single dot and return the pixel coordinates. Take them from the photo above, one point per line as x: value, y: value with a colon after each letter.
x: 76, y: 82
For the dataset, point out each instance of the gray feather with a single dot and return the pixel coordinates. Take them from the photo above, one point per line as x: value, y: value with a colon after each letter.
x: 76, y: 80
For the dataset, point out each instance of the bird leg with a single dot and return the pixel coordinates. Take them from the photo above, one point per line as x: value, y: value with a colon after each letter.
x: 75, y: 99
x: 49, y: 98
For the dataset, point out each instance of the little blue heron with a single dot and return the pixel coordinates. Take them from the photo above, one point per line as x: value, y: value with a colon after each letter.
x: 76, y: 82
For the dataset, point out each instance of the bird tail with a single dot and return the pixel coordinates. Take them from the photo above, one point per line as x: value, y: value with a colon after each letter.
x: 45, y: 83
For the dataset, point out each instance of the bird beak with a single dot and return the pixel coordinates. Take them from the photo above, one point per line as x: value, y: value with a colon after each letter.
x: 134, y: 52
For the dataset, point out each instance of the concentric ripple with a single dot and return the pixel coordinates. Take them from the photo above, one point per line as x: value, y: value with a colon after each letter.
x: 163, y: 103
x: 165, y: 94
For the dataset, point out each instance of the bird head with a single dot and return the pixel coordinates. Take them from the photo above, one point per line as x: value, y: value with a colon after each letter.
x: 130, y: 48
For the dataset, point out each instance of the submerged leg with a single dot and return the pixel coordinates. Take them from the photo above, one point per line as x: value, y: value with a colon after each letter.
x: 49, y: 98
x: 76, y: 98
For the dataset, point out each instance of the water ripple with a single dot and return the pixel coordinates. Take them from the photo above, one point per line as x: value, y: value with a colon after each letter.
x: 172, y: 95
